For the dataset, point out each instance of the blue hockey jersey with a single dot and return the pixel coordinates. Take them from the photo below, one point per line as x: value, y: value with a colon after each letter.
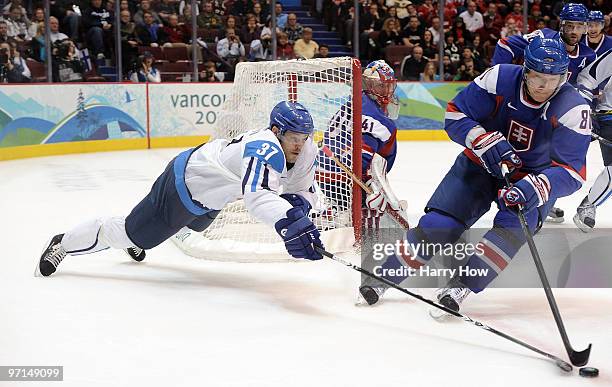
x: 511, y: 49
x: 604, y: 45
x: 378, y: 136
x: 550, y: 138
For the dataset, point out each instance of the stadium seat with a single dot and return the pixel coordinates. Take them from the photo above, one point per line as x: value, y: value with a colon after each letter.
x: 395, y: 54
x: 175, y: 54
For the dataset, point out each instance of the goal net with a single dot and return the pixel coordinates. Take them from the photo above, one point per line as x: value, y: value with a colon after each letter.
x: 331, y: 91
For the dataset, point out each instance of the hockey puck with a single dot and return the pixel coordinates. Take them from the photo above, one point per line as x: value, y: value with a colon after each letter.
x: 589, y: 372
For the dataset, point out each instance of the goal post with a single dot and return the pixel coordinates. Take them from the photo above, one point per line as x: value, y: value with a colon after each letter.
x: 331, y: 91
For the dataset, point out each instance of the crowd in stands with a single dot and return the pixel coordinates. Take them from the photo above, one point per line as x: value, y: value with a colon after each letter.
x: 156, y: 36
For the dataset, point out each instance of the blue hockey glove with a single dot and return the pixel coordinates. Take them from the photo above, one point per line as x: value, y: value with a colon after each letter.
x: 493, y: 149
x: 530, y: 192
x: 297, y: 201
x: 299, y: 234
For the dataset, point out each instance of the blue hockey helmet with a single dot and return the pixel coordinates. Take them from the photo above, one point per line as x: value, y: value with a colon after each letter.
x: 596, y: 16
x: 574, y: 12
x: 291, y: 116
x: 546, y: 56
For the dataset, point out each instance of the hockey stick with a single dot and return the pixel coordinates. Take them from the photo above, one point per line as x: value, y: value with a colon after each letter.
x: 565, y: 366
x: 393, y: 214
x: 578, y: 358
x: 601, y: 139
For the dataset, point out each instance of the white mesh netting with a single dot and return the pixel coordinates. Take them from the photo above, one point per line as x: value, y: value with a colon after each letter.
x: 325, y: 88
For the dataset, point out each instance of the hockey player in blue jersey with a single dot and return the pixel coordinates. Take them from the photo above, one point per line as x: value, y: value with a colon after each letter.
x: 573, y: 26
x: 379, y: 107
x: 200, y: 181
x: 598, y: 75
x: 595, y: 38
x: 526, y: 117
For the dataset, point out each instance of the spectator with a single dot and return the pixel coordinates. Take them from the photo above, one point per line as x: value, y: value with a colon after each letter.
x: 534, y: 16
x: 37, y: 44
x: 451, y: 49
x: 230, y: 48
x: 185, y: 17
x: 293, y: 29
x: 541, y: 23
x: 426, y: 11
x: 467, y: 72
x: 208, y: 18
x: 413, y: 65
x: 145, y: 6
x: 37, y: 18
x: 494, y: 15
x: 468, y: 55
x: 69, y: 19
x: 13, y: 68
x: 129, y: 41
x: 4, y: 38
x: 371, y: 21
x: 259, y: 15
x: 175, y: 34
x: 430, y: 50
x: 6, y: 11
x: 164, y: 9
x: 230, y: 24
x: 450, y: 70
x: 210, y: 74
x: 435, y: 29
x: 392, y: 13
x: 250, y: 31
x: 281, y: 17
x: 489, y: 34
x: 323, y: 51
x: 54, y: 27
x: 17, y: 25
x: 472, y: 18
x: 149, y: 32
x: 98, y: 23
x: 516, y: 15
x: 184, y: 4
x: 284, y: 50
x: 460, y: 33
x: 390, y: 34
x: 429, y: 73
x: 146, y: 70
x: 306, y: 47
x: 67, y: 67
x: 413, y: 33
x: 219, y: 8
x: 510, y: 28
x: 261, y: 48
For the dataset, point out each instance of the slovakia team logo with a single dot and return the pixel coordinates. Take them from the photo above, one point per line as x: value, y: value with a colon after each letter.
x: 520, y: 136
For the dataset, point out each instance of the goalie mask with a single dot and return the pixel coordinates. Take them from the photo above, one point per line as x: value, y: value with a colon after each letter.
x: 379, y: 84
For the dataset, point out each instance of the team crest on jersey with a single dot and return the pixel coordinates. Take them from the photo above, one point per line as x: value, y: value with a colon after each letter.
x: 520, y: 136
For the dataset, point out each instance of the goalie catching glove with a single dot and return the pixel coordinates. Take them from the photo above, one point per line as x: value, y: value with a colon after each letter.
x: 299, y: 234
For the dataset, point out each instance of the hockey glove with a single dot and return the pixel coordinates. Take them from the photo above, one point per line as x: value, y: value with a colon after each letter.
x: 299, y: 234
x: 493, y: 149
x: 297, y: 201
x: 530, y: 192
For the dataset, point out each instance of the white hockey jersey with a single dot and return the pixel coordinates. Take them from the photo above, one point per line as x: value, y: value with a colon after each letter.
x: 251, y: 166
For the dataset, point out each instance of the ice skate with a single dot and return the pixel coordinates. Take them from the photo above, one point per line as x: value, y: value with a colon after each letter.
x: 451, y: 297
x: 51, y: 257
x: 555, y: 215
x: 136, y: 253
x: 585, y: 215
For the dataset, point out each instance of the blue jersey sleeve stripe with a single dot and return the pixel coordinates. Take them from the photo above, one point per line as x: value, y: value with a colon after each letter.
x: 245, y: 179
x: 256, y: 176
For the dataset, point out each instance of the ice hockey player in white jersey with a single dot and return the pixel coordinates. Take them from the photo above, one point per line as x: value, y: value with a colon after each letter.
x: 598, y: 75
x: 199, y: 182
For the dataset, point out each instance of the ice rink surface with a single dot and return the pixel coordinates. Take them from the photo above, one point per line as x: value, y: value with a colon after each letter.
x: 174, y: 320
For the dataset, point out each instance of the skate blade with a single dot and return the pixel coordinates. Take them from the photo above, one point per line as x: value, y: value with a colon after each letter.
x: 439, y: 315
x: 554, y: 220
x: 37, y: 272
x: 581, y: 226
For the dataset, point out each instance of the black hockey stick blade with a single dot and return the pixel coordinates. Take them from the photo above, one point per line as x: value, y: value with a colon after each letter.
x: 601, y: 139
x: 581, y: 358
